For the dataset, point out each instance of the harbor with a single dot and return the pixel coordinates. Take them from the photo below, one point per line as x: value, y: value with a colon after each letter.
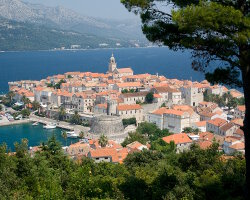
x: 35, y: 135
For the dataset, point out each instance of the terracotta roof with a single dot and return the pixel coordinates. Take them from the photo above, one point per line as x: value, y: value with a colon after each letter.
x: 157, y: 96
x: 208, y: 136
x: 241, y: 108
x: 204, y: 144
x: 174, y: 112
x: 135, y: 145
x: 104, y: 152
x: 227, y: 126
x: 135, y: 94
x: 200, y: 123
x: 237, y: 121
x: 160, y: 111
x: 239, y: 132
x: 207, y: 114
x: 238, y: 146
x: 236, y: 93
x: 129, y: 107
x: 165, y: 89
x: 217, y: 122
x: 128, y: 84
x: 179, y: 138
x: 125, y: 70
x: 232, y: 139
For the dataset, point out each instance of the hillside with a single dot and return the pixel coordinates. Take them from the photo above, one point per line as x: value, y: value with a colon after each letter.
x: 16, y: 36
x: 63, y: 18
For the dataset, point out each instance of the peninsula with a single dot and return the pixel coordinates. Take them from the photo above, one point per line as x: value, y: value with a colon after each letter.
x: 114, y: 104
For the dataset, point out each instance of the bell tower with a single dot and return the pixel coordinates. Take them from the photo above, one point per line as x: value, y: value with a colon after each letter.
x: 112, y: 64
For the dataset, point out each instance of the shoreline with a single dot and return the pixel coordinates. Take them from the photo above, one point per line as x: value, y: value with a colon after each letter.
x: 93, y: 49
x: 25, y: 121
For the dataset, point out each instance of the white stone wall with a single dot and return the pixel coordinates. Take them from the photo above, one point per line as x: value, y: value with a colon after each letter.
x: 155, y: 119
x: 175, y: 123
x: 138, y: 114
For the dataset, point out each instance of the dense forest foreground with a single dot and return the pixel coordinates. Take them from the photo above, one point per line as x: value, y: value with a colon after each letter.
x: 150, y: 174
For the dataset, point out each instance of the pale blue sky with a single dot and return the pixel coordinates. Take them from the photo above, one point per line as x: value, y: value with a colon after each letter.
x: 112, y: 9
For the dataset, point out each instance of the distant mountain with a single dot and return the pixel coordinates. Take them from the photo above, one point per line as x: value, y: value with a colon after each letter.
x: 28, y: 36
x: 62, y: 18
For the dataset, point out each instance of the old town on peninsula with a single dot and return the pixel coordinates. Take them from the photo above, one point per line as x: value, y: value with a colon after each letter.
x: 113, y: 104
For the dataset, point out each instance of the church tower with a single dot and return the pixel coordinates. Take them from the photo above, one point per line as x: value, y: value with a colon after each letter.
x: 112, y: 64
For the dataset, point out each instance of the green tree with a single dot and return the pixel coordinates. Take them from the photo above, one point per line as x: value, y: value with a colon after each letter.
x: 25, y: 101
x: 1, y: 107
x: 191, y: 130
x: 163, y: 105
x: 132, y: 137
x: 81, y: 135
x: 65, y: 137
x: 58, y: 85
x: 149, y: 97
x: 25, y: 112
x: 213, y: 30
x: 61, y: 114
x: 103, y: 140
x: 129, y: 121
x: 10, y: 95
x: 35, y: 105
x: 75, y: 119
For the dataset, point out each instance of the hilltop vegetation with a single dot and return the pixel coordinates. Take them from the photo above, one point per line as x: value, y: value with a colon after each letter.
x: 50, y: 174
x: 26, y: 36
x: 27, y: 26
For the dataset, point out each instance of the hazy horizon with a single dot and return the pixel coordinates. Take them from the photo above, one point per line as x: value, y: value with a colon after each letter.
x: 94, y: 8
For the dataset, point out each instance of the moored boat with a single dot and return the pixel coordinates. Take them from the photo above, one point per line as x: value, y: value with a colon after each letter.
x: 72, y: 134
x: 50, y: 126
x: 35, y: 124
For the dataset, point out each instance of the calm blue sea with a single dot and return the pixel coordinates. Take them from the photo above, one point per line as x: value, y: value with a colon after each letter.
x: 35, y: 135
x: 36, y: 65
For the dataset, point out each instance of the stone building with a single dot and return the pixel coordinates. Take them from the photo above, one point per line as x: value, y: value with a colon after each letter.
x: 192, y: 95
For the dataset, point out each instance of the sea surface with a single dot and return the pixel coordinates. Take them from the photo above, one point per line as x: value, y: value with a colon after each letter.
x: 35, y: 135
x: 36, y: 65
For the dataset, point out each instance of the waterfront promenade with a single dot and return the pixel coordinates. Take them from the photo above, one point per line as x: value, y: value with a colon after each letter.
x: 59, y: 124
x: 16, y: 122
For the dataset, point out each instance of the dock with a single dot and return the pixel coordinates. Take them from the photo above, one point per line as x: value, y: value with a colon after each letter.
x: 60, y: 124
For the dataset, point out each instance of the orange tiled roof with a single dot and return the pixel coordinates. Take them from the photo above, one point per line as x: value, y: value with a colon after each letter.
x: 204, y: 144
x: 206, y: 136
x: 157, y: 96
x: 129, y: 107
x: 179, y: 138
x: 217, y: 122
x: 236, y: 93
x: 241, y: 108
x: 174, y: 112
x: 128, y: 84
x: 160, y: 111
x: 239, y: 132
x: 125, y: 70
x: 238, y: 146
x: 201, y: 123
x: 134, y: 145
x: 227, y: 126
x: 237, y: 121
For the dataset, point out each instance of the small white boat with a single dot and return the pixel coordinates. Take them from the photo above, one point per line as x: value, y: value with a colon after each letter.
x: 35, y: 124
x: 50, y: 126
x: 72, y: 134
